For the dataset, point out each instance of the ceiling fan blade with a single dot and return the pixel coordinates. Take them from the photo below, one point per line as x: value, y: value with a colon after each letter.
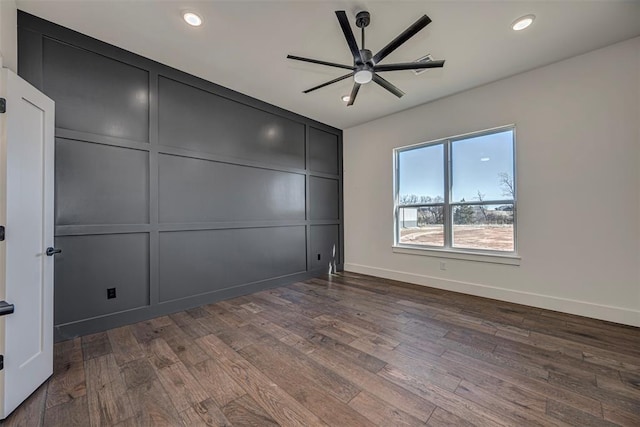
x: 354, y: 93
x: 336, y: 80
x: 348, y: 35
x: 409, y: 66
x: 317, y: 61
x: 388, y: 86
x: 406, y: 35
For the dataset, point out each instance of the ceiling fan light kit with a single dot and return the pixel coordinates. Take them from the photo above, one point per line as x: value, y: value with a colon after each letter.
x: 363, y: 76
x: 366, y: 66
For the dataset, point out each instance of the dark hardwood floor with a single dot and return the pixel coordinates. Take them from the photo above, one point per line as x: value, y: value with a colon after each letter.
x: 351, y: 350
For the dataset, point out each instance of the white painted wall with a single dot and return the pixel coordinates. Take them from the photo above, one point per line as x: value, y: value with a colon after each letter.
x: 578, y: 166
x: 8, y: 35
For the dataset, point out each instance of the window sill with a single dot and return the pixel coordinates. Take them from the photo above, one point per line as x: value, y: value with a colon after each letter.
x: 509, y: 259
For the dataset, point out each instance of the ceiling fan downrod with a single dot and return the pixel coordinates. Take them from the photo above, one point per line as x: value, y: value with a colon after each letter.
x: 363, y: 18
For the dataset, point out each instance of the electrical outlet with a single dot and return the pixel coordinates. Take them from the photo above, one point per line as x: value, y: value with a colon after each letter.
x: 111, y: 293
x: 443, y: 265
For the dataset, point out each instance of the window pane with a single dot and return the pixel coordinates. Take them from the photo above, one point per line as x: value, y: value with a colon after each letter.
x: 488, y: 227
x: 421, y: 175
x: 421, y: 226
x: 482, y: 168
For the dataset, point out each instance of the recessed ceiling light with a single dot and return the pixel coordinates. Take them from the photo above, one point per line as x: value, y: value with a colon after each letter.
x: 485, y: 159
x: 346, y: 98
x: 523, y: 22
x: 192, y: 19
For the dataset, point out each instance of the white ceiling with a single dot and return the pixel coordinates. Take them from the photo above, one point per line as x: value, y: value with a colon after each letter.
x: 243, y: 44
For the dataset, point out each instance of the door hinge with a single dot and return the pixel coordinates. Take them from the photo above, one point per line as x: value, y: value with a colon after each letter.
x: 3, y: 105
x: 1, y: 362
x: 1, y: 233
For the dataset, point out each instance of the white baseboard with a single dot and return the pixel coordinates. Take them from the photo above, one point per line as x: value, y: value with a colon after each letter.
x: 581, y: 308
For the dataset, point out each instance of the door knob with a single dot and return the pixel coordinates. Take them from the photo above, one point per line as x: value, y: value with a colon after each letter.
x: 6, y: 308
x: 53, y: 251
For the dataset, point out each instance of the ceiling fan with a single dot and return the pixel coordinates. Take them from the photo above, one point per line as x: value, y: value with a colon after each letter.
x: 366, y: 66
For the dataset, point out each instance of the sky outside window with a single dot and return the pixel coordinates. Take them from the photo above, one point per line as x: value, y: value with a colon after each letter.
x: 477, y: 165
x: 422, y: 171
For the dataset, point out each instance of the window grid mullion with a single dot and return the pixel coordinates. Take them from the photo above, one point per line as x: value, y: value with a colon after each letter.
x: 448, y: 227
x: 484, y: 203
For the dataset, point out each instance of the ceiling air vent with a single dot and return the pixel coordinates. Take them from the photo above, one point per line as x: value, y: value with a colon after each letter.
x: 425, y: 58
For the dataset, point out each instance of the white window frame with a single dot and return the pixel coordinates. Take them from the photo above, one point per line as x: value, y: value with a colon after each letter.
x: 448, y: 251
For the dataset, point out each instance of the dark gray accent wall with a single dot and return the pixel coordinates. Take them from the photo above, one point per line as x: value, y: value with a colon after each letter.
x: 174, y: 190
x: 88, y: 189
x: 193, y: 262
x: 196, y: 190
x: 90, y: 264
x: 118, y: 106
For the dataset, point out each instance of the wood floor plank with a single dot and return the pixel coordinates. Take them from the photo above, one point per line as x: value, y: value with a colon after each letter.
x: 322, y: 401
x: 68, y: 381
x: 216, y: 382
x: 630, y: 380
x: 106, y: 391
x: 160, y: 354
x: 445, y: 399
x: 414, y: 360
x: 149, y: 330
x: 478, y: 341
x: 181, y: 387
x: 615, y: 399
x: 375, y: 384
x: 138, y: 372
x: 221, y: 311
x: 423, y: 373
x: 380, y: 337
x: 282, y: 407
x: 182, y: 345
x: 152, y: 406
x: 542, y: 342
x: 569, y: 397
x: 186, y: 322
x: 124, y: 345
x: 522, y: 366
x: 615, y: 415
x: 554, y: 361
x: 618, y: 386
x: 95, y: 345
x: 74, y: 413
x: 442, y: 418
x: 508, y: 407
x: 197, y: 312
x: 299, y: 343
x: 244, y: 411
x: 365, y: 360
x: 381, y: 413
x: 269, y: 327
x: 269, y: 351
x: 574, y: 416
x: 206, y: 413
x: 509, y: 391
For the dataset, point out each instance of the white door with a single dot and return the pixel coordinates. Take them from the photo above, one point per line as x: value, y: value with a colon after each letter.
x: 26, y: 212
